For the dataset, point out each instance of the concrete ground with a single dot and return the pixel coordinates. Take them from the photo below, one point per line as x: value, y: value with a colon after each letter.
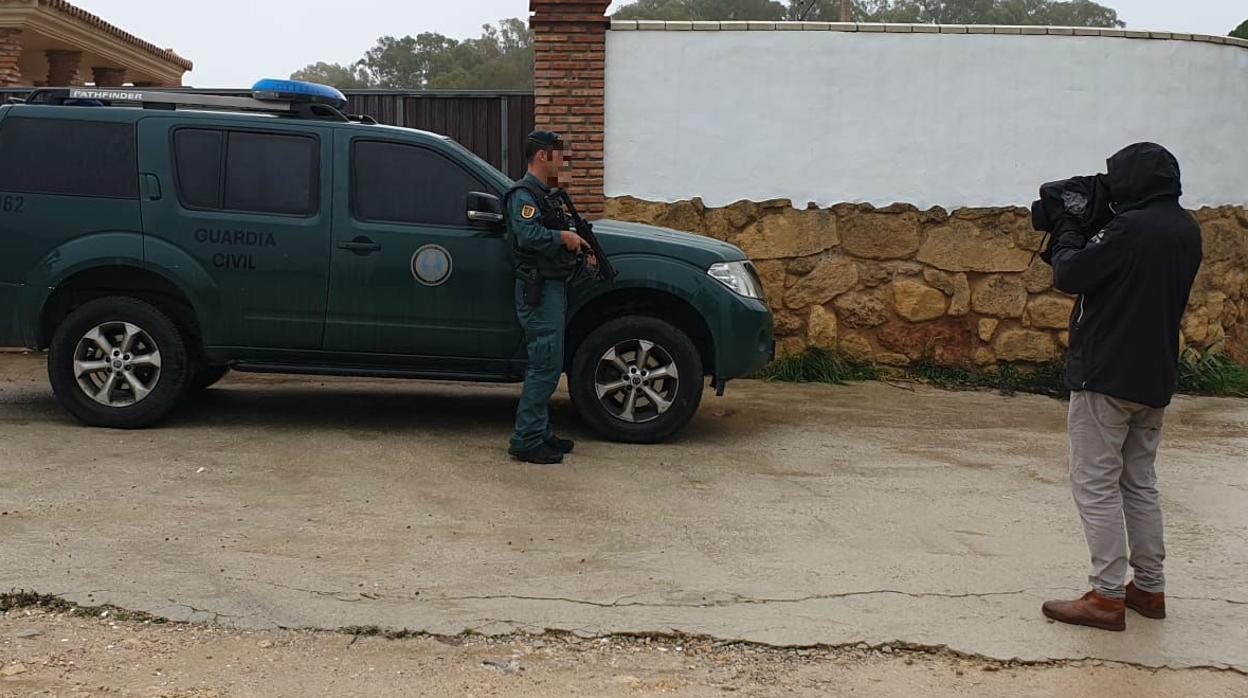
x: 785, y: 515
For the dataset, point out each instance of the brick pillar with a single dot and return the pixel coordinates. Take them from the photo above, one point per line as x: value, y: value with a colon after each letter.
x: 109, y: 77
x: 10, y: 55
x: 63, y: 67
x: 570, y: 43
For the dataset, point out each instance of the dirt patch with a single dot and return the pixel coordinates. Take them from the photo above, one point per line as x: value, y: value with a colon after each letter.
x: 43, y: 653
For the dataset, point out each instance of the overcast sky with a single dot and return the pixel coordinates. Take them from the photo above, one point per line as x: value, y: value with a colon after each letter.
x: 234, y: 42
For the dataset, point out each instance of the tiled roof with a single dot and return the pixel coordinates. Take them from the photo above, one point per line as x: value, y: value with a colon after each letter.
x: 82, y: 15
x: 660, y: 25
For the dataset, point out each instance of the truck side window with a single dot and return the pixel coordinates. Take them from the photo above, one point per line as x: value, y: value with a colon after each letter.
x: 198, y: 154
x: 246, y: 171
x: 400, y: 183
x: 68, y: 157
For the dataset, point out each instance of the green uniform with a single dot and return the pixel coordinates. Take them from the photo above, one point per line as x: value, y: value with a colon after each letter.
x: 538, y: 246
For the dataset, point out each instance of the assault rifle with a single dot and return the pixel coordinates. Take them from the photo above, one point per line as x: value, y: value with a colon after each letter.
x: 585, y: 229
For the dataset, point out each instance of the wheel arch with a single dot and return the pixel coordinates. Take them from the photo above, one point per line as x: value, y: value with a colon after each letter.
x: 117, y: 263
x: 641, y: 300
x: 116, y: 279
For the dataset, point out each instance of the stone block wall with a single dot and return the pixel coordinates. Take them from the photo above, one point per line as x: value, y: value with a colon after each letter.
x: 897, y: 285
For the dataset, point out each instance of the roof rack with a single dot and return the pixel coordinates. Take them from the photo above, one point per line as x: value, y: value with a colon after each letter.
x: 170, y: 101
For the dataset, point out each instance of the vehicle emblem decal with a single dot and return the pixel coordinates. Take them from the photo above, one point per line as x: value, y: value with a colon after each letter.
x: 431, y: 265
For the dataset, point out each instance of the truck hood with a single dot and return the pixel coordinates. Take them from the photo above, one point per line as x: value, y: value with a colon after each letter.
x: 621, y: 238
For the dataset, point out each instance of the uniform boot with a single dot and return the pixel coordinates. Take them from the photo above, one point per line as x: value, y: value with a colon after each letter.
x: 1150, y: 604
x: 541, y: 455
x: 561, y: 445
x: 1092, y: 610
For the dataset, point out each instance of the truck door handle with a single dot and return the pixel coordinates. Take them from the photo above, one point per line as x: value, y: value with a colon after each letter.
x: 360, y: 245
x: 151, y: 187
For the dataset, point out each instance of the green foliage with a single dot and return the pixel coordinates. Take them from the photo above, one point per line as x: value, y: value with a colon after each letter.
x: 344, y: 77
x: 819, y: 366
x: 1076, y: 13
x: 1007, y: 379
x: 1240, y: 32
x: 1212, y: 374
x: 1209, y: 374
x: 767, y: 10
x: 501, y: 58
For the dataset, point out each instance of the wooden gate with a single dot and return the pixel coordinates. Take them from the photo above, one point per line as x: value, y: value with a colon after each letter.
x: 493, y: 125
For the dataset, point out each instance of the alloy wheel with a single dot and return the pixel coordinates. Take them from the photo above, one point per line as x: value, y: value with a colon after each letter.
x: 117, y: 364
x: 636, y: 381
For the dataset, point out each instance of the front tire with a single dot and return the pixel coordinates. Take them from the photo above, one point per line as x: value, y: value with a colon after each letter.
x: 636, y: 379
x: 118, y: 362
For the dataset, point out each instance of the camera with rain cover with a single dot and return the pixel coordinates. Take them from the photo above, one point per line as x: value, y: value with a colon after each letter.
x: 1084, y: 201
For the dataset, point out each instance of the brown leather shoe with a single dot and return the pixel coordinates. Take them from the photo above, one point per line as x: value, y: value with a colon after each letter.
x: 1092, y: 610
x: 1149, y: 604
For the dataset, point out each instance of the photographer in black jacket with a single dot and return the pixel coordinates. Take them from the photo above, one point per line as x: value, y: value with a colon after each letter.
x: 1132, y: 278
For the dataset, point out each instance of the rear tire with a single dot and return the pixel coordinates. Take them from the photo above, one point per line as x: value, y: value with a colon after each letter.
x: 118, y: 362
x: 636, y: 379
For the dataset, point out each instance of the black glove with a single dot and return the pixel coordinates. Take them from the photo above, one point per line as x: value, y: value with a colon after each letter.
x: 1068, y: 225
x: 1046, y: 255
x: 1068, y: 232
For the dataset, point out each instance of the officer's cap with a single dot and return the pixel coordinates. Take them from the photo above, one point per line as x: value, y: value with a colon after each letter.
x: 546, y: 140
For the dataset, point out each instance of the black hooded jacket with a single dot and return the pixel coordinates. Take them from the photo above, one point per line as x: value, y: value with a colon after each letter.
x: 1133, y: 279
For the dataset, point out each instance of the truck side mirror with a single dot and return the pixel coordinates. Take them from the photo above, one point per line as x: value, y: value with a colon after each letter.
x: 485, y: 208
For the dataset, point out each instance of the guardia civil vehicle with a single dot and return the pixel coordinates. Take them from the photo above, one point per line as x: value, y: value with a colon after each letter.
x: 153, y: 240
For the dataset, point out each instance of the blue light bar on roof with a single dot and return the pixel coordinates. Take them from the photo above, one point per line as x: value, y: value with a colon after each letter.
x: 274, y: 90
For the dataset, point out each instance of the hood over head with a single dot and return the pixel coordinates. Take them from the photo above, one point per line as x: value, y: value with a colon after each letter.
x: 1140, y: 173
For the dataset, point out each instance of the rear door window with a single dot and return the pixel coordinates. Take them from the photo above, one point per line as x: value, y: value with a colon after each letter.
x: 247, y: 171
x: 68, y: 157
x: 198, y: 153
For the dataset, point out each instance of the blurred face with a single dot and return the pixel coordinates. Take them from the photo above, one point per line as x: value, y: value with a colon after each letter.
x: 549, y: 163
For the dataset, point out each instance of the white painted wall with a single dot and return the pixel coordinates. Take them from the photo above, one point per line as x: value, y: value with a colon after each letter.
x: 930, y: 119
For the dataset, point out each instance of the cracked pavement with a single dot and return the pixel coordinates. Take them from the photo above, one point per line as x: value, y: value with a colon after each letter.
x: 786, y: 515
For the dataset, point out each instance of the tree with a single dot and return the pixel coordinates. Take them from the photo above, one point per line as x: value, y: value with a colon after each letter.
x: 1241, y: 32
x: 1079, y: 13
x: 765, y: 10
x: 344, y: 77
x: 501, y: 58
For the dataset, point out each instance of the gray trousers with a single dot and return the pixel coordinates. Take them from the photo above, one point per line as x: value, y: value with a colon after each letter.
x: 1113, y: 446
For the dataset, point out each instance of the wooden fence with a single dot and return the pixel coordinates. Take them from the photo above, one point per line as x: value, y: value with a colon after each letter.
x: 493, y: 125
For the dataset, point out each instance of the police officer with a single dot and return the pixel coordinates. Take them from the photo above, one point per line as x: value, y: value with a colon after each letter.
x: 546, y: 252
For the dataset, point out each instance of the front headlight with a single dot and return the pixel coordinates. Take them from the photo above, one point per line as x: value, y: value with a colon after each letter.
x: 738, y: 277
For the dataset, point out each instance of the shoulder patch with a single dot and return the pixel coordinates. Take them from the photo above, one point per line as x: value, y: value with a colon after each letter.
x: 528, y: 212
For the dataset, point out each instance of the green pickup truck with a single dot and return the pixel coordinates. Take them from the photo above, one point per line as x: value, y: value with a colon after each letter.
x: 152, y: 241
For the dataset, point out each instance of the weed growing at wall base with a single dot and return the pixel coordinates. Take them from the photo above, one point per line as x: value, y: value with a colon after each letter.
x: 1007, y: 379
x: 817, y: 365
x: 1212, y: 375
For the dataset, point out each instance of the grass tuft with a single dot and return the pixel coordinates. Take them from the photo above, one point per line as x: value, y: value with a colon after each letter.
x: 1212, y: 374
x: 1007, y: 379
x: 1209, y: 374
x: 16, y: 599
x: 817, y: 365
